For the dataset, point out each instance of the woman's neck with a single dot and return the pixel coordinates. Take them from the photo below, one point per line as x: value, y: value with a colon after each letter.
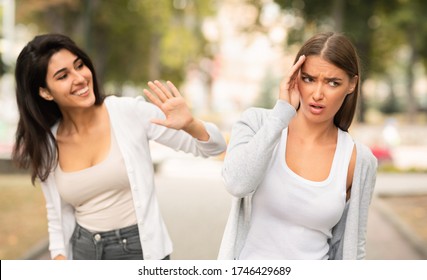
x: 80, y: 120
x: 313, y: 132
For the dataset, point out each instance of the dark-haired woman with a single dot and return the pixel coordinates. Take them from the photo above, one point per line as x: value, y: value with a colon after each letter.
x: 92, y: 153
x: 301, y: 185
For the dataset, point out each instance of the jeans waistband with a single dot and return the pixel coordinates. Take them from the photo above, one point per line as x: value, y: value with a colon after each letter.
x: 119, y: 233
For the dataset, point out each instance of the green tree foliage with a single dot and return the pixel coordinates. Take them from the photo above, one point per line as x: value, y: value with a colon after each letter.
x: 379, y: 29
x: 129, y: 41
x: 401, y: 27
x: 349, y: 17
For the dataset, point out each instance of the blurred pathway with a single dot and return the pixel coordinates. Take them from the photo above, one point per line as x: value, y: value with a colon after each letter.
x: 384, y: 240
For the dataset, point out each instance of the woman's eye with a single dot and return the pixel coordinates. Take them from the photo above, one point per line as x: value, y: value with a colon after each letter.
x: 62, y: 77
x: 307, y: 79
x: 333, y: 84
x: 80, y: 65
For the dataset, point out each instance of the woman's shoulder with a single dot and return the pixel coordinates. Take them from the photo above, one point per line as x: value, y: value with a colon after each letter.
x: 255, y: 114
x: 252, y: 117
x: 281, y: 112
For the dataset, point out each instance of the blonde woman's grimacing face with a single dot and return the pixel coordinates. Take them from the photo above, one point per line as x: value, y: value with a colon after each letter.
x: 69, y: 81
x: 323, y: 88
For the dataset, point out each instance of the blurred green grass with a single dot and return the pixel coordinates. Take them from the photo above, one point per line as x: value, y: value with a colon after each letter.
x: 22, y: 216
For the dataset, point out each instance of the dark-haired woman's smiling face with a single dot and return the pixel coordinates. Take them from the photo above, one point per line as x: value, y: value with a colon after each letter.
x: 69, y: 81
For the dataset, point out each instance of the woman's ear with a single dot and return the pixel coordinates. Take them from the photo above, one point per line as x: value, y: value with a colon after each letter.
x: 353, y: 84
x: 45, y: 94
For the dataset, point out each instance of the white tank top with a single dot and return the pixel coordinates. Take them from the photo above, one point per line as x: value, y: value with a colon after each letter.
x: 101, y: 194
x: 292, y: 217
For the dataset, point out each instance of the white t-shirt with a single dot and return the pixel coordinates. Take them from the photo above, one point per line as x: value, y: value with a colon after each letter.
x: 292, y: 217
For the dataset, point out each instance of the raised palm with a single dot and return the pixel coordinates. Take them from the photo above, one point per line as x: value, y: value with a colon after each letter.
x: 172, y: 104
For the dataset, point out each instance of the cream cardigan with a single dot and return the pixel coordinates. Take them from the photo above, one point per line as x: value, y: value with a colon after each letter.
x: 251, y: 146
x: 130, y: 120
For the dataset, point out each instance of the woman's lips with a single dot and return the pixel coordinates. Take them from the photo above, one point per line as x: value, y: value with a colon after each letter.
x: 82, y: 91
x: 316, y: 108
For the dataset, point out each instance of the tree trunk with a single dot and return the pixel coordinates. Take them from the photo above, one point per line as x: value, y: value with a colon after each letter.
x: 154, y: 62
x: 338, y: 11
x: 412, y: 104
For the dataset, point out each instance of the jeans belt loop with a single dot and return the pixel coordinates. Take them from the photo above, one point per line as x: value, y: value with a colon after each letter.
x: 118, y: 235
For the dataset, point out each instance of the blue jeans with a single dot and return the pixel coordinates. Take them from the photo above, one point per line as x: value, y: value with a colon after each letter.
x: 119, y: 244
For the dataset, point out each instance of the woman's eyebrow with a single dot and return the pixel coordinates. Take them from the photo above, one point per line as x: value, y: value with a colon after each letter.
x: 65, y: 68
x: 59, y: 71
x: 333, y: 79
x: 329, y: 79
x: 306, y: 74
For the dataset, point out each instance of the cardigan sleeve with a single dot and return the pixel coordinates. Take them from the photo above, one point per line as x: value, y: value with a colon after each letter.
x: 61, y: 220
x: 179, y: 140
x: 252, y: 143
x: 60, y: 216
x: 56, y: 241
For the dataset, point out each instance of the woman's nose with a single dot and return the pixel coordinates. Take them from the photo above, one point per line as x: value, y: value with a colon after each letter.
x: 78, y: 77
x: 318, y: 92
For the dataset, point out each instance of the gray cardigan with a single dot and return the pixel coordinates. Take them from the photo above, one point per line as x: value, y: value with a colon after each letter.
x: 252, y: 143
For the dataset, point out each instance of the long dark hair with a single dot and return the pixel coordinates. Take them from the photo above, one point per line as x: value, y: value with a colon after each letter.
x: 338, y: 50
x: 35, y: 145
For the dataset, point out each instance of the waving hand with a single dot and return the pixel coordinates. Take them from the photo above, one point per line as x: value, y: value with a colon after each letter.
x: 173, y: 105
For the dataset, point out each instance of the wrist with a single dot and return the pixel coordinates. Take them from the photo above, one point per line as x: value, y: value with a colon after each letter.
x: 197, y: 130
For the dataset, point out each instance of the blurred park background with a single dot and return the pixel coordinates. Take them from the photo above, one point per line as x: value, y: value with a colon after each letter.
x: 228, y: 55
